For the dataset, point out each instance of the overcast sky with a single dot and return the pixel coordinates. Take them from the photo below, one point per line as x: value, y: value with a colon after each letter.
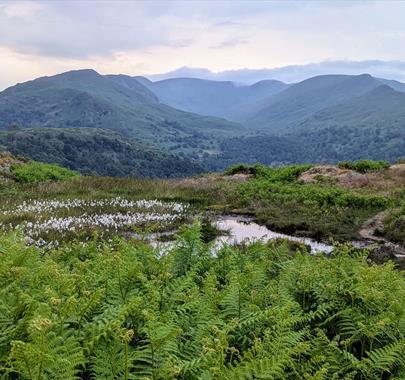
x: 134, y: 37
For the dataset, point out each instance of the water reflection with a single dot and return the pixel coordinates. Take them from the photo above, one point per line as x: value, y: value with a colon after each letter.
x: 242, y: 228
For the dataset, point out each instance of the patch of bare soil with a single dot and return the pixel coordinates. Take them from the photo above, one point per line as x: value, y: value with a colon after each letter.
x: 382, y: 181
x: 330, y: 173
x: 371, y: 227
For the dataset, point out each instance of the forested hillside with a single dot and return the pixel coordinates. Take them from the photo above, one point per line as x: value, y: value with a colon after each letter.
x: 96, y: 151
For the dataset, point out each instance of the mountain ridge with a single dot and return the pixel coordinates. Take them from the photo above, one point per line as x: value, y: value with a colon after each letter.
x: 323, y: 118
x: 293, y: 73
x: 84, y: 98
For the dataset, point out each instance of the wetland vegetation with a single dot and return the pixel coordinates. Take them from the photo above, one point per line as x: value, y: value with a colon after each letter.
x: 84, y: 295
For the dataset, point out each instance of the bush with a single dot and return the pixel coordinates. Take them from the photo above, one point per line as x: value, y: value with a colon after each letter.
x: 240, y: 169
x: 282, y: 174
x: 34, y: 172
x: 364, y: 166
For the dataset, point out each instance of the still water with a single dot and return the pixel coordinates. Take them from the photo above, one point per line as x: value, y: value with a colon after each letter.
x: 241, y: 229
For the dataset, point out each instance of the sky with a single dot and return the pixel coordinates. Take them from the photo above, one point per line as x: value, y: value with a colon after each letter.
x: 148, y: 37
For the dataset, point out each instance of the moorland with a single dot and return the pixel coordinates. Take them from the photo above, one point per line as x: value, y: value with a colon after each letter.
x: 85, y: 294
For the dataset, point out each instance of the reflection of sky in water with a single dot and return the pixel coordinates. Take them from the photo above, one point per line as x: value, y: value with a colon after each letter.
x: 241, y: 229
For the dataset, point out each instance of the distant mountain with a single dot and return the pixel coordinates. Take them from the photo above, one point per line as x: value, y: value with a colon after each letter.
x: 266, y: 107
x: 84, y: 98
x: 382, y: 107
x: 123, y: 125
x: 213, y: 98
x: 288, y: 109
x: 371, y: 125
x: 397, y: 86
x: 96, y: 151
x: 294, y: 73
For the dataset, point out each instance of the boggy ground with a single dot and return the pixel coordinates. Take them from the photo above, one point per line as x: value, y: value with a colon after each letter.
x: 323, y: 202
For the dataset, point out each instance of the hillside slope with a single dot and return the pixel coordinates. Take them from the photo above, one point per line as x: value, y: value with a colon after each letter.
x: 214, y: 98
x: 87, y: 99
x: 381, y: 107
x: 96, y: 151
x: 292, y: 106
x: 369, y: 126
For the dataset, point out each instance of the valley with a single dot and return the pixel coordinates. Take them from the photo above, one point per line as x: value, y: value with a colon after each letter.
x: 194, y: 229
x: 200, y: 125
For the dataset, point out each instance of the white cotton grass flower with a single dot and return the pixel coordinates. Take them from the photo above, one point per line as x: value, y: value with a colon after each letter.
x: 88, y: 214
x: 42, y: 206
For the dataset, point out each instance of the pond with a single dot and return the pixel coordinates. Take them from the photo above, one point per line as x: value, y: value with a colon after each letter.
x: 242, y: 228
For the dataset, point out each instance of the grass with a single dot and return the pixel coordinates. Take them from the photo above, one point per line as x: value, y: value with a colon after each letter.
x: 321, y: 210
x: 275, y: 196
x: 87, y: 188
x: 36, y: 172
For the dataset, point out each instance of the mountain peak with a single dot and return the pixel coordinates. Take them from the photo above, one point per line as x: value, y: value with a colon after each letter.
x: 79, y: 74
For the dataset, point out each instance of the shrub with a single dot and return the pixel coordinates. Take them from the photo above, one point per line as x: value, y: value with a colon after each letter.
x: 240, y: 169
x: 34, y: 172
x: 281, y: 174
x: 364, y: 166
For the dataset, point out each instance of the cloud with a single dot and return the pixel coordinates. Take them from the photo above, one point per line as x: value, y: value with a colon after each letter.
x: 122, y: 36
x: 226, y: 23
x: 75, y: 29
x: 82, y: 29
x: 230, y: 43
x: 294, y: 73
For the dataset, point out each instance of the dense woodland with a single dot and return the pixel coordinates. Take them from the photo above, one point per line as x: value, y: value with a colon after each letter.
x: 94, y: 151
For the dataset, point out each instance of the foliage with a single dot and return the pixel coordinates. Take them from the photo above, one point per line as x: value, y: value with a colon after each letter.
x: 34, y: 172
x: 330, y: 144
x: 127, y: 311
x: 282, y: 174
x: 364, y: 166
x: 240, y: 169
x: 97, y: 151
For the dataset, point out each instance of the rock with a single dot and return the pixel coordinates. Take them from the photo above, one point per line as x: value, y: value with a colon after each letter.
x: 388, y: 251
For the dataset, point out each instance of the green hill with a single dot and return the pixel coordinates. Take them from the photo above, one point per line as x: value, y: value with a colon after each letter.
x: 288, y: 109
x: 369, y: 126
x: 326, y: 118
x: 96, y: 151
x: 380, y: 107
x: 86, y: 99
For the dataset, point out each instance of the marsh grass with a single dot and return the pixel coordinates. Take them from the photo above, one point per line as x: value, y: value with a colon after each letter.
x: 275, y: 196
x: 51, y: 222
